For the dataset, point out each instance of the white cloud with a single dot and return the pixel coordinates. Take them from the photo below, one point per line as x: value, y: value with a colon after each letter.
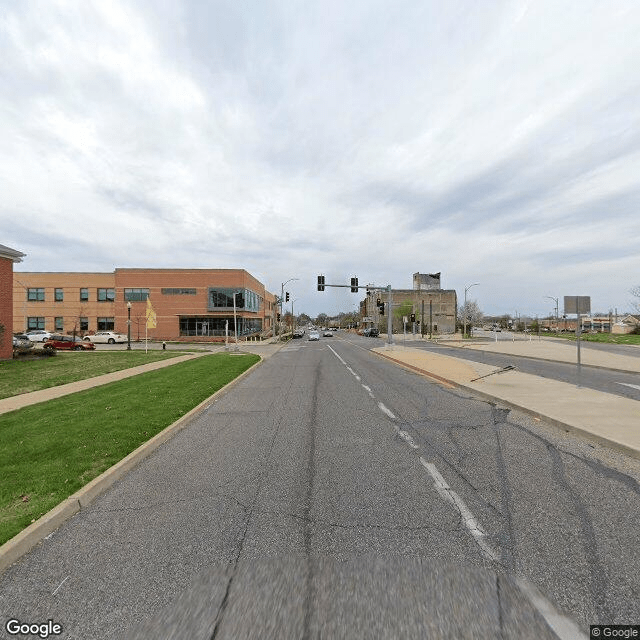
x: 494, y: 142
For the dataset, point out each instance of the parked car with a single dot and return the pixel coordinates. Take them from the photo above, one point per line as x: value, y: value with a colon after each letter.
x: 313, y: 335
x: 68, y: 343
x: 38, y: 335
x: 106, y: 337
x: 22, y: 344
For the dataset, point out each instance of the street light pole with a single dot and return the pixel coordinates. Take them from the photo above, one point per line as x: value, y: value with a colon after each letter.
x: 282, y: 293
x: 464, y: 329
x: 129, y: 325
x: 557, y: 320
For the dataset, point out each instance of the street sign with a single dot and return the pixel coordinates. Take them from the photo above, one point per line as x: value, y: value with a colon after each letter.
x: 577, y: 304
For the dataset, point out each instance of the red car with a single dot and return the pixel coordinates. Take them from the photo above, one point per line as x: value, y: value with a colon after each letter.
x: 69, y: 343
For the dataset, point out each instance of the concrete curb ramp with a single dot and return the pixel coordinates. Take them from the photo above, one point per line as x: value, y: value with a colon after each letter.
x: 609, y: 419
x: 28, y: 538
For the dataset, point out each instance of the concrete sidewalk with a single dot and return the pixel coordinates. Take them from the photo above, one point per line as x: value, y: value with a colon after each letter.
x: 609, y: 419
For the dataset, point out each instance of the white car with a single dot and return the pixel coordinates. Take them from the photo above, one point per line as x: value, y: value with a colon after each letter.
x: 314, y: 335
x: 106, y: 337
x: 38, y: 335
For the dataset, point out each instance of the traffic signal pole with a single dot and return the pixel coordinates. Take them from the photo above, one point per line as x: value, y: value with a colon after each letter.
x: 355, y: 287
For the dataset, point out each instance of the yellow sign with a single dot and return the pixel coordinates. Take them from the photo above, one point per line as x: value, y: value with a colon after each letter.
x: 151, y: 315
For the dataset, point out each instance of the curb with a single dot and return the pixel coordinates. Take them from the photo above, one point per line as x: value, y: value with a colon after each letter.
x: 565, y: 426
x: 13, y: 549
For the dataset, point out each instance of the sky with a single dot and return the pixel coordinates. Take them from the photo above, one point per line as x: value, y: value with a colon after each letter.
x: 496, y: 142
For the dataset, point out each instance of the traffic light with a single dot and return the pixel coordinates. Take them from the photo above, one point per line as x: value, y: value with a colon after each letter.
x: 412, y: 317
x: 381, y: 308
x: 278, y: 316
x: 286, y: 299
x: 378, y: 302
x: 320, y: 283
x: 354, y: 285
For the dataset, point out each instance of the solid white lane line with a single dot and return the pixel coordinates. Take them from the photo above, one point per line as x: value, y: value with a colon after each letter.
x: 385, y: 410
x: 626, y: 384
x: 470, y: 522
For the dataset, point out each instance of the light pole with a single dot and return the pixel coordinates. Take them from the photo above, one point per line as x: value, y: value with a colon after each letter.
x: 556, y: 301
x: 282, y: 292
x: 129, y: 325
x: 464, y: 330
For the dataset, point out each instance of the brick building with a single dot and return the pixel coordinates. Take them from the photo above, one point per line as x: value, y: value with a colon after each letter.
x: 439, y: 305
x: 7, y: 257
x: 190, y: 304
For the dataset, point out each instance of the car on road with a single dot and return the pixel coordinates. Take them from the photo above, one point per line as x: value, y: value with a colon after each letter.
x: 371, y: 332
x: 38, y: 335
x: 22, y: 344
x: 68, y: 343
x: 106, y: 337
x: 313, y: 335
x: 298, y: 333
x: 327, y: 334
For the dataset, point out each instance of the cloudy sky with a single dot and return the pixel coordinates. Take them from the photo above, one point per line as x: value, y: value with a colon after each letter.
x: 497, y: 142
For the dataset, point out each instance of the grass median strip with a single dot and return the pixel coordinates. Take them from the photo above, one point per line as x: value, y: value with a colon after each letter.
x: 26, y: 375
x: 52, y: 449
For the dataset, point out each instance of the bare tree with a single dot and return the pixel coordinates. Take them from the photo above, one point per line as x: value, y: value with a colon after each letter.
x: 636, y: 293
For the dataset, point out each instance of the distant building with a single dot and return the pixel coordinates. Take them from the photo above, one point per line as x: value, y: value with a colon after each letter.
x: 8, y: 257
x: 190, y: 304
x: 438, y: 305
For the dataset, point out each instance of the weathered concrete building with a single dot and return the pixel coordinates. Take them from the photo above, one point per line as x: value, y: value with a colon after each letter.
x: 435, y: 308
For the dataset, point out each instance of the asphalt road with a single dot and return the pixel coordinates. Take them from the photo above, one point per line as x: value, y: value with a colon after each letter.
x: 332, y: 494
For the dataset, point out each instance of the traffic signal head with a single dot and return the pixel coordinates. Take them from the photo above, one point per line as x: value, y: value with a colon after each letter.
x: 412, y: 317
x: 320, y: 283
x: 378, y: 302
x: 278, y: 317
x: 354, y: 285
x: 286, y: 297
x: 381, y: 308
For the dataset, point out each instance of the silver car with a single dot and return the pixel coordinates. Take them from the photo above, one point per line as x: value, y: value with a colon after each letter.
x: 313, y: 335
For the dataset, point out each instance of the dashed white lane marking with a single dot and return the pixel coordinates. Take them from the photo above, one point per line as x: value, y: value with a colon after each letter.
x: 337, y: 356
x: 368, y: 390
x: 564, y: 627
x: 470, y: 522
x: 626, y: 384
x: 406, y: 437
x: 386, y: 411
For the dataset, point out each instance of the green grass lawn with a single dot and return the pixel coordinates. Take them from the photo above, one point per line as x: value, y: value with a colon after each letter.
x: 25, y: 375
x: 610, y: 338
x: 52, y: 449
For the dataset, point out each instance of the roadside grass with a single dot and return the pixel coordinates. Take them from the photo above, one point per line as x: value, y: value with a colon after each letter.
x: 607, y: 338
x: 25, y: 375
x: 52, y: 449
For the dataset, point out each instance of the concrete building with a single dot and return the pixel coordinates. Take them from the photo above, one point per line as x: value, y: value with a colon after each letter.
x: 190, y: 304
x: 438, y: 305
x: 8, y: 257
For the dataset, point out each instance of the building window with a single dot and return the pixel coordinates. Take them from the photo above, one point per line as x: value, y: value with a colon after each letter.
x: 84, y: 324
x: 208, y: 326
x: 35, y: 295
x: 84, y: 294
x: 178, y: 292
x: 223, y: 299
x: 106, y: 295
x: 59, y: 324
x: 35, y: 323
x: 106, y: 324
x: 59, y: 295
x: 136, y: 295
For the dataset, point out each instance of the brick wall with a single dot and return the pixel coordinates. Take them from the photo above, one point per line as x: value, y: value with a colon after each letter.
x: 6, y: 307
